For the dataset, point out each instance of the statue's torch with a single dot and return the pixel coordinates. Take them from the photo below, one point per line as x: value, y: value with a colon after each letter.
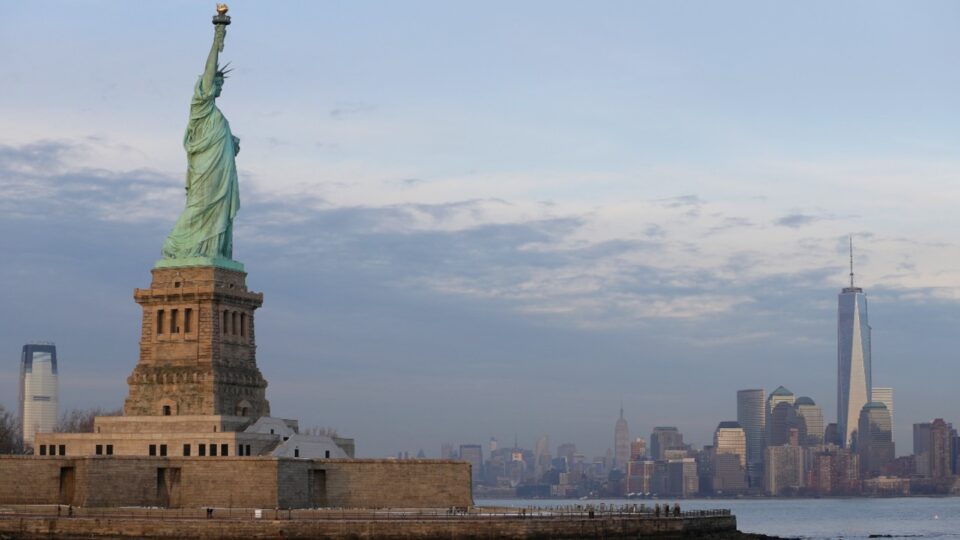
x: 221, y: 17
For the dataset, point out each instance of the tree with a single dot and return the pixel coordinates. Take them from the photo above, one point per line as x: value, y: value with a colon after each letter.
x: 81, y: 420
x: 11, y: 436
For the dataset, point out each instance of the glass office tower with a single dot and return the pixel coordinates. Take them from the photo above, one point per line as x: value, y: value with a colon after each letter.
x: 752, y: 417
x: 39, y: 390
x: 853, y: 359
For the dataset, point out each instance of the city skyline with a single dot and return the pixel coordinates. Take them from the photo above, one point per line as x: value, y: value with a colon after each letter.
x: 504, y: 234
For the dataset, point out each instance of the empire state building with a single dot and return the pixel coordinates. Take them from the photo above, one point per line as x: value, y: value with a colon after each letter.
x: 853, y: 358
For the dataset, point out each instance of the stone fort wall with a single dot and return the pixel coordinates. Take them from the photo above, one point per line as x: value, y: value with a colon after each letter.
x: 248, y: 482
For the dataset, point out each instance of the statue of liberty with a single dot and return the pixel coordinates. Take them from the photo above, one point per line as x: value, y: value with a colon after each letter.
x: 203, y: 234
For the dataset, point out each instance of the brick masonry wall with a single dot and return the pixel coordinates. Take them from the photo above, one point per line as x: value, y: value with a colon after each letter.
x: 26, y: 480
x: 248, y: 482
x: 387, y: 483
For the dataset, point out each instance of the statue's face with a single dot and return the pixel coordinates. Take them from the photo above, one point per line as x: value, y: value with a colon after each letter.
x: 217, y: 86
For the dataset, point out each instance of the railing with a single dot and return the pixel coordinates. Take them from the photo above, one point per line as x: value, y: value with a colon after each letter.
x: 560, y: 512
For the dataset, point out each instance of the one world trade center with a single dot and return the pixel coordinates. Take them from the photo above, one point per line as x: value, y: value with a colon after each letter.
x: 853, y: 358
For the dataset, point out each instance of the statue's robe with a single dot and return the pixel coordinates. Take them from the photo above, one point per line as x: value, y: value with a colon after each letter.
x: 205, y: 228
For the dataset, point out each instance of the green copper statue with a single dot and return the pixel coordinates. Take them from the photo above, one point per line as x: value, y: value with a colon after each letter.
x: 203, y: 234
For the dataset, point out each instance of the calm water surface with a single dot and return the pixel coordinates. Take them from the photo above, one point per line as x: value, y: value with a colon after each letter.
x: 818, y: 518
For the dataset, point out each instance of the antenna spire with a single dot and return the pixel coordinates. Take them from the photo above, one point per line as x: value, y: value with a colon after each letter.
x: 621, y: 407
x: 851, y: 261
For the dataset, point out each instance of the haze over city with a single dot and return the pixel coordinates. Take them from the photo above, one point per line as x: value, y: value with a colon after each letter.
x: 560, y: 208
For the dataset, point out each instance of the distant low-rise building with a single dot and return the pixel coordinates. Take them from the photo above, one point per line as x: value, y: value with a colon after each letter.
x: 682, y: 478
x: 729, y: 476
x: 836, y: 472
x: 783, y: 471
x: 640, y: 477
x: 886, y: 486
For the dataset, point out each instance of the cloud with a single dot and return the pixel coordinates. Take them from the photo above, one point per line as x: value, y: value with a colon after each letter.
x: 655, y: 231
x: 35, y: 183
x: 731, y: 223
x: 795, y: 221
x: 33, y: 157
x: 681, y: 201
x: 344, y: 110
x: 453, y: 295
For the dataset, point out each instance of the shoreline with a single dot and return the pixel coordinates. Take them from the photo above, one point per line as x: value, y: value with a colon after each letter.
x: 34, y: 522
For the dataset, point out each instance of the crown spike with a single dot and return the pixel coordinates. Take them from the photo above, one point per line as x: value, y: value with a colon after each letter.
x: 851, y: 261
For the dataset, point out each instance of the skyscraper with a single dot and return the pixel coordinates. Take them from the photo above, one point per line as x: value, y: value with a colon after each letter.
x: 784, y: 470
x: 39, y: 390
x: 682, y: 479
x: 621, y: 443
x: 447, y: 452
x: 940, y: 449
x: 474, y: 454
x: 638, y: 449
x: 812, y: 417
x: 752, y: 417
x: 921, y: 448
x: 853, y: 358
x: 779, y: 424
x: 782, y: 420
x: 541, y: 453
x: 874, y: 440
x: 664, y: 438
x: 885, y: 396
x: 729, y: 438
x: 778, y: 396
x: 831, y: 434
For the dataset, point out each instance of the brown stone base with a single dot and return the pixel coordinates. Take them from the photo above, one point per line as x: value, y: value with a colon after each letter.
x: 197, y: 346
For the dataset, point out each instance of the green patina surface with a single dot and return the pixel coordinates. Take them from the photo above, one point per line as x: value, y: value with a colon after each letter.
x: 220, y: 262
x: 203, y: 234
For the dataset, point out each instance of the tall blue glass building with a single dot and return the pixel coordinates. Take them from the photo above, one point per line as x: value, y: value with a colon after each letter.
x: 39, y: 389
x: 853, y: 359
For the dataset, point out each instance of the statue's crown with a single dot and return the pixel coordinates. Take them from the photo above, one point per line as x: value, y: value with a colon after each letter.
x: 222, y: 71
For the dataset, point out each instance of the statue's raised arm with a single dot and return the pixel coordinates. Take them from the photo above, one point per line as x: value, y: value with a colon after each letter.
x: 220, y: 22
x: 210, y: 70
x: 203, y: 234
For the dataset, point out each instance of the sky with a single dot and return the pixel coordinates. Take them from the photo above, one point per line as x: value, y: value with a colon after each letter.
x: 500, y: 219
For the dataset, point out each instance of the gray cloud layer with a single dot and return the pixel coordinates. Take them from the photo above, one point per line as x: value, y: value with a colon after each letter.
x: 406, y: 336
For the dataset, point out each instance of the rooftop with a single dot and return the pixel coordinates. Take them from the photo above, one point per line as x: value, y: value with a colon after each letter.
x: 781, y: 391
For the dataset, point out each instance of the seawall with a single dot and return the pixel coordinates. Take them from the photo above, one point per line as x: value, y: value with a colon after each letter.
x: 370, y: 525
